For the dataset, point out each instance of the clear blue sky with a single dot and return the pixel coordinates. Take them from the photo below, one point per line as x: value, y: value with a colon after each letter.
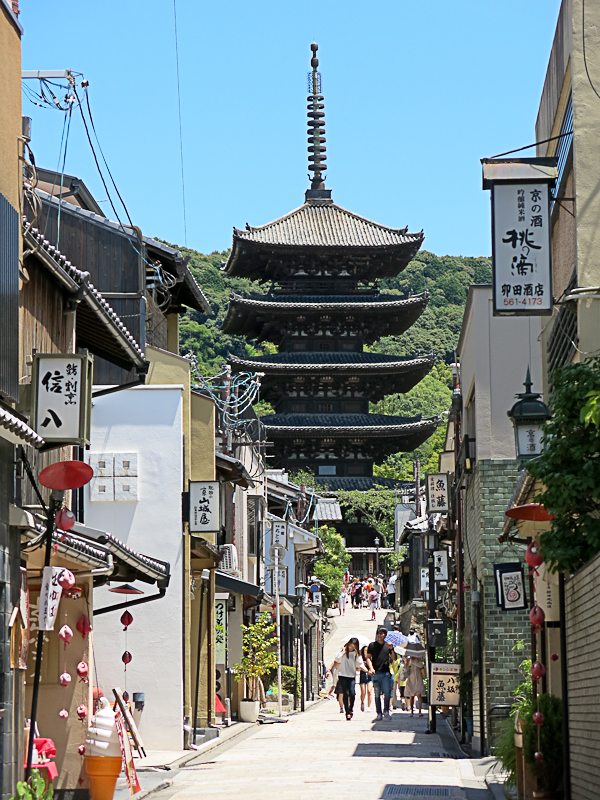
x: 416, y: 92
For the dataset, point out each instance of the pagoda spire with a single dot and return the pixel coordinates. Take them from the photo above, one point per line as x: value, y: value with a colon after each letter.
x: 316, y: 132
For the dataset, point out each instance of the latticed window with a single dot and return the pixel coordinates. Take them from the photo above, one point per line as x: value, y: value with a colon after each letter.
x: 563, y: 341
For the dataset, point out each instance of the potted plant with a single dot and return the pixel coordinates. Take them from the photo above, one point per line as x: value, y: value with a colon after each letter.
x: 543, y: 745
x: 258, y: 659
x: 35, y: 788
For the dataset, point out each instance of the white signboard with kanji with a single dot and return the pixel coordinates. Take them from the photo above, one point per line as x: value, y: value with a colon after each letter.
x: 278, y: 534
x: 317, y: 599
x: 62, y: 401
x: 279, y: 575
x: 204, y: 507
x: 221, y: 630
x: 50, y: 595
x: 437, y: 493
x: 424, y: 579
x: 521, y: 249
x: 440, y: 562
x: 443, y: 685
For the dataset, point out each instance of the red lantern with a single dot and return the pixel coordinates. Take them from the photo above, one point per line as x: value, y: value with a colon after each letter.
x: 533, y: 555
x: 126, y: 696
x: 66, y: 579
x: 126, y: 619
x: 538, y: 718
x: 65, y: 679
x: 65, y: 634
x: 126, y: 658
x: 82, y: 670
x: 82, y: 711
x: 554, y: 656
x: 65, y: 519
x: 83, y: 625
x: 538, y: 670
x: 81, y: 749
x: 537, y: 616
x: 539, y: 757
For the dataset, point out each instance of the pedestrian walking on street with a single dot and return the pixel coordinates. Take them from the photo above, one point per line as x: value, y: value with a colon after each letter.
x: 380, y: 655
x: 414, y: 686
x: 373, y: 602
x: 366, y: 684
x: 391, y: 592
x: 342, y: 600
x: 348, y: 662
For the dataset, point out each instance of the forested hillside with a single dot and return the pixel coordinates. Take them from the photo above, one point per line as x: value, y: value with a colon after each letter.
x: 447, y: 280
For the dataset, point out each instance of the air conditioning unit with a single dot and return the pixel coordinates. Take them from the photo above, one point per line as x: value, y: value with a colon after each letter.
x: 229, y: 562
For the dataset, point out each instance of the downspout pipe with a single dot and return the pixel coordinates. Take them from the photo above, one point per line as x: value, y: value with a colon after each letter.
x: 161, y: 593
x: 107, y: 570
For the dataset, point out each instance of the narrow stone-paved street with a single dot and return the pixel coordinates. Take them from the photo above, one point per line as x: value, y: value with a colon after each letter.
x: 322, y: 755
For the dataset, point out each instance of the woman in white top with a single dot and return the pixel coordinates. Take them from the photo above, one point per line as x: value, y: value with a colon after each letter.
x: 348, y: 662
x: 342, y: 600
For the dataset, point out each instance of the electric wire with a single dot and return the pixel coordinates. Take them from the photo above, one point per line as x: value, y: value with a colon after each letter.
x: 180, y: 126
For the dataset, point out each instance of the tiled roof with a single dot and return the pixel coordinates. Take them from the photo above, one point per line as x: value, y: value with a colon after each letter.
x: 193, y: 295
x: 361, y: 483
x: 326, y: 302
x: 339, y: 362
x: 343, y: 424
x: 325, y: 224
x: 19, y: 429
x: 63, y: 268
x: 328, y: 509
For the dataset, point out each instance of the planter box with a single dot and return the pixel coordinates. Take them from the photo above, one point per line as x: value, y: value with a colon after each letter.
x: 249, y: 710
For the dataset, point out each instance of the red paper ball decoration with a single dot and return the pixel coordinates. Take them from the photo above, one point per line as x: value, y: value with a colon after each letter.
x: 82, y: 670
x: 533, y: 555
x: 82, y: 711
x: 537, y: 616
x: 538, y: 718
x: 83, y: 625
x: 65, y: 679
x: 126, y: 696
x: 66, y: 579
x: 63, y: 714
x: 65, y: 519
x: 126, y: 619
x: 81, y: 749
x: 554, y: 656
x: 539, y: 757
x: 126, y: 658
x: 538, y: 670
x: 65, y: 634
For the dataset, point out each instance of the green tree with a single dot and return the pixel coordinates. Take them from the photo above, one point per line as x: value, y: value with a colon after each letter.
x: 332, y: 566
x: 569, y: 469
x: 258, y: 658
x: 376, y: 506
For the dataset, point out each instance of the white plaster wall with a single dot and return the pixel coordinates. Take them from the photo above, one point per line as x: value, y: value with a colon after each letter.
x: 148, y: 421
x: 494, y: 357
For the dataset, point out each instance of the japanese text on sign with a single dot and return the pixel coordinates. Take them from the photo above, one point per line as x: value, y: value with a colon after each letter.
x: 204, y: 507
x: 521, y: 233
x: 278, y: 534
x: 443, y: 686
x: 50, y: 595
x: 437, y: 493
x: 221, y: 631
x: 59, y: 398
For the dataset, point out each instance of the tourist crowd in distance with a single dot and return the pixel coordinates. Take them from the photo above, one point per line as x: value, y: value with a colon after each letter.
x: 371, y: 592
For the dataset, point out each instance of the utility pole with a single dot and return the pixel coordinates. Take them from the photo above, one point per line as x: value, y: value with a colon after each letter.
x: 278, y: 623
x: 431, y: 650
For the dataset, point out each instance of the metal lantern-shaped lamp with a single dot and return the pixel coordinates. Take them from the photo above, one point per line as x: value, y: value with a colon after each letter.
x: 430, y: 540
x: 528, y: 415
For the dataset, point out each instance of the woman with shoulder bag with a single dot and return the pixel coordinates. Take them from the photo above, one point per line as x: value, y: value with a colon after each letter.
x: 348, y: 662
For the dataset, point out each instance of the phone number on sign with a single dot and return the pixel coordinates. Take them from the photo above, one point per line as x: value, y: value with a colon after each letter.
x: 525, y: 301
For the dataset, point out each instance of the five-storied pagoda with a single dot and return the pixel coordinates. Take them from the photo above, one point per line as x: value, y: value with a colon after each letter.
x: 323, y: 263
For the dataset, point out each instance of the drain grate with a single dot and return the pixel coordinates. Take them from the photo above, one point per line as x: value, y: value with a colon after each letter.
x: 393, y: 790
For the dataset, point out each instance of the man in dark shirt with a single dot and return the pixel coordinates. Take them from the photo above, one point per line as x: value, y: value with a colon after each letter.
x: 380, y: 654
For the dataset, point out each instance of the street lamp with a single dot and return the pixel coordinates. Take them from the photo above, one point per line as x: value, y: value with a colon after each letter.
x: 377, y: 555
x: 528, y: 415
x: 300, y: 593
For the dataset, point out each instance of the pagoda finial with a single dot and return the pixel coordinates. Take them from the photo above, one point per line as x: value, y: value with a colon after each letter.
x: 316, y: 132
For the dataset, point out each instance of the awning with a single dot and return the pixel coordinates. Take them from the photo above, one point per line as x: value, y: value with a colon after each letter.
x: 286, y: 609
x: 236, y: 585
x: 233, y: 470
x: 328, y: 509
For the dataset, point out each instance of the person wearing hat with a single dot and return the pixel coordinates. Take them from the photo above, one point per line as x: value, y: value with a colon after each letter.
x: 414, y: 687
